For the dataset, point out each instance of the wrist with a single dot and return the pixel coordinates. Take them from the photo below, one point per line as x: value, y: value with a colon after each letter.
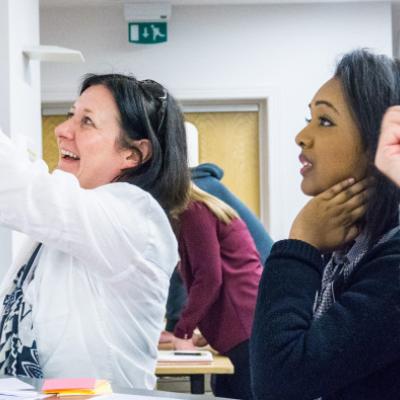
x: 298, y: 249
x: 298, y: 234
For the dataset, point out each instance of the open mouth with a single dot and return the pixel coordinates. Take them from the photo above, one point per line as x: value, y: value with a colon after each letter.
x: 69, y: 155
x: 306, y: 164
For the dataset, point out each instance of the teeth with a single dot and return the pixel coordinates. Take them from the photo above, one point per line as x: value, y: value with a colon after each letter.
x: 306, y: 164
x: 69, y: 154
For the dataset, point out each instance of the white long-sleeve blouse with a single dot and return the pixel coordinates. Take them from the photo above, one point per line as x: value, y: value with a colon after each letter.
x: 99, y: 291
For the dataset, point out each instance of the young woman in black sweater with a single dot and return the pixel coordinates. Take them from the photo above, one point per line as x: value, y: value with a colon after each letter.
x: 327, y: 322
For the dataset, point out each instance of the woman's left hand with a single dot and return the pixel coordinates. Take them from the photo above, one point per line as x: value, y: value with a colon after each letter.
x: 166, y: 337
x: 329, y: 220
x: 199, y: 340
x: 183, y: 344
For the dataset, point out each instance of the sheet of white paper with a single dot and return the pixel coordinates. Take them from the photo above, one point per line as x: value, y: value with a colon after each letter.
x: 13, y: 384
x: 12, y: 388
x: 116, y: 396
x: 22, y: 395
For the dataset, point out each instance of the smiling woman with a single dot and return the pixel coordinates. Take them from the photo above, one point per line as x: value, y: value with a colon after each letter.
x: 88, y: 140
x: 89, y: 300
x: 327, y: 320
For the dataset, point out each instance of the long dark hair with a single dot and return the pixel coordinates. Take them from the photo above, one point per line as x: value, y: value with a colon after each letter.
x: 148, y: 111
x: 371, y: 83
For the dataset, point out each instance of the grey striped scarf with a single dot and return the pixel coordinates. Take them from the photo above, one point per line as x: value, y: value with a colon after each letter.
x: 339, y: 268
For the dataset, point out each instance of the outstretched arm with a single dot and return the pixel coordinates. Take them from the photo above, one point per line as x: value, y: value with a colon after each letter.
x: 88, y: 224
x: 200, y: 242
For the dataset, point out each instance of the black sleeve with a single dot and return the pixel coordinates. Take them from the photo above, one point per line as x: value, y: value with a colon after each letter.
x: 296, y: 357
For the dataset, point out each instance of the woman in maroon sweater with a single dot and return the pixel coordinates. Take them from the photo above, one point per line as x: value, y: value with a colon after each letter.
x: 221, y: 270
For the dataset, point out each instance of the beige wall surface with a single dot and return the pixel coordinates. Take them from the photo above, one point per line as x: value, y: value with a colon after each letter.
x: 50, y: 150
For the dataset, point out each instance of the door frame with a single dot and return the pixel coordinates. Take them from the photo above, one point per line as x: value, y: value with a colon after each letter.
x: 267, y: 100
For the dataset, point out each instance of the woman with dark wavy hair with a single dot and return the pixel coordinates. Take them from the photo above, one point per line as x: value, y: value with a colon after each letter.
x: 327, y: 322
x: 90, y: 299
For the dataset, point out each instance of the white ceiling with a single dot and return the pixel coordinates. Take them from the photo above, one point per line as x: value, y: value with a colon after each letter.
x: 74, y: 3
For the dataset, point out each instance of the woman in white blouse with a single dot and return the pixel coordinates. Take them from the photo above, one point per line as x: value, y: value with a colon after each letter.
x: 89, y: 301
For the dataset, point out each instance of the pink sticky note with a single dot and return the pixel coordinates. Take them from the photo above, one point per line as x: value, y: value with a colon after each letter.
x: 68, y: 384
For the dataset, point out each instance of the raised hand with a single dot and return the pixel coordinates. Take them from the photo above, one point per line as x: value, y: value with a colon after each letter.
x: 387, y: 157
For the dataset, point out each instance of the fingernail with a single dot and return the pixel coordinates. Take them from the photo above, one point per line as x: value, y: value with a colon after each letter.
x: 351, y: 180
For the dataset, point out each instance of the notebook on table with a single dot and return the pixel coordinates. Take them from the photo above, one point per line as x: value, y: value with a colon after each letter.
x: 185, y: 356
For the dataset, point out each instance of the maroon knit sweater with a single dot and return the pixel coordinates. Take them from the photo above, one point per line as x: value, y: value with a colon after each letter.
x: 221, y: 269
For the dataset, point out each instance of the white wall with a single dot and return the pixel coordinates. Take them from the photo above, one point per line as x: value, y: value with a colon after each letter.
x: 396, y: 29
x: 20, y: 89
x: 292, y: 48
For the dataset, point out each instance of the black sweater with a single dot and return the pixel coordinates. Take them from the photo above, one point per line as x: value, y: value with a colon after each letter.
x: 351, y: 352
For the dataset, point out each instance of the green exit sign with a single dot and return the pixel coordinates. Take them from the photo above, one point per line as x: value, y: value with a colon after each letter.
x: 147, y: 32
